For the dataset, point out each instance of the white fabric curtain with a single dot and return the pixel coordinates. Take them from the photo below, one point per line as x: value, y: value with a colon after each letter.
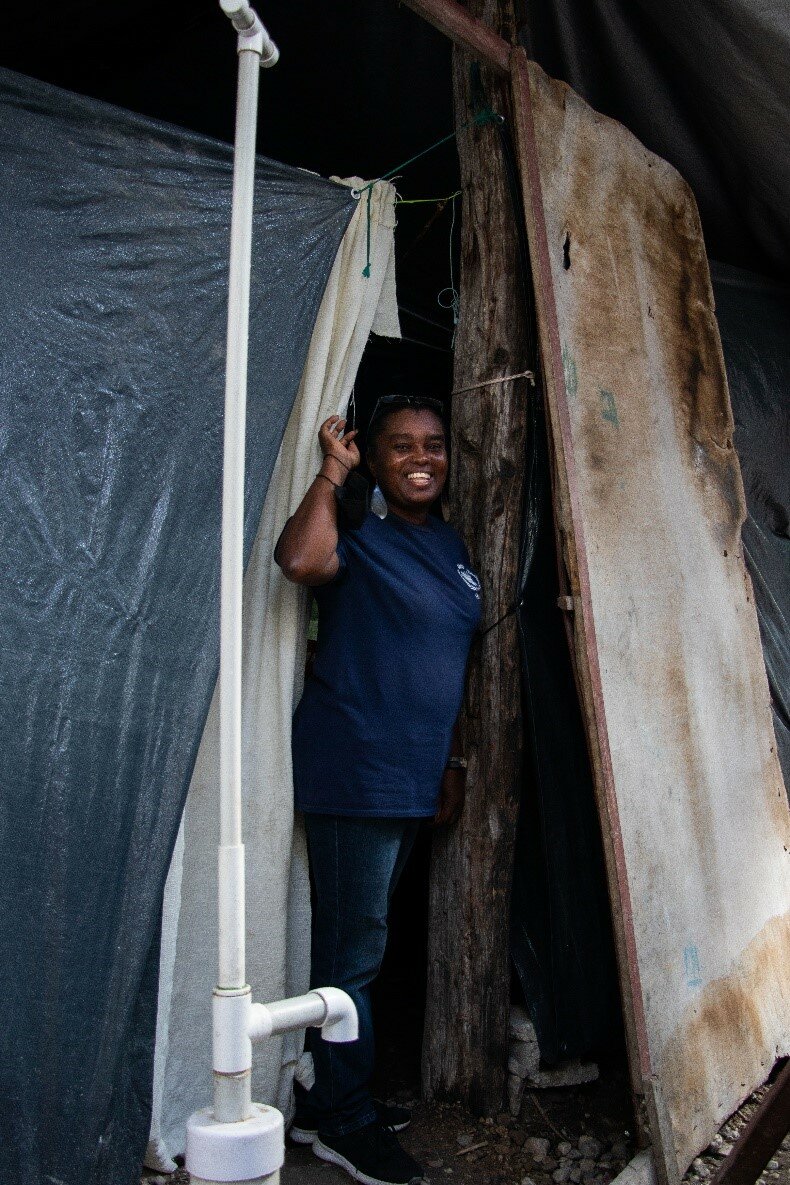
x: 275, y: 630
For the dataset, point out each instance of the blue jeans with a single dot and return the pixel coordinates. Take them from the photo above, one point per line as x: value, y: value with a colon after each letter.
x: 356, y: 863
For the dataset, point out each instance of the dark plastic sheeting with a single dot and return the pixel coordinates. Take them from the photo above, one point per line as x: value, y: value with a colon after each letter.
x: 114, y: 235
x: 701, y: 84
x: 754, y: 321
x: 560, y: 935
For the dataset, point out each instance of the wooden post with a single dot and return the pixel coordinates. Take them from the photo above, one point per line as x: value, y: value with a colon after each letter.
x: 465, y: 1043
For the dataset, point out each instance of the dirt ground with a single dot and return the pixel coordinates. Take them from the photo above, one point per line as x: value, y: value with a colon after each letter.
x: 574, y: 1135
x: 503, y: 1150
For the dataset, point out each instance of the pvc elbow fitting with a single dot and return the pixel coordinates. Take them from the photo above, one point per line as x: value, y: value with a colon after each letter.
x: 341, y: 1023
x: 237, y: 1022
x: 329, y: 1009
x: 253, y: 35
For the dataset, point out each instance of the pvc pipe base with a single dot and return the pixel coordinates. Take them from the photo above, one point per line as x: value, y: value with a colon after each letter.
x: 232, y: 1097
x: 249, y: 1151
x: 230, y: 1024
x: 272, y: 1179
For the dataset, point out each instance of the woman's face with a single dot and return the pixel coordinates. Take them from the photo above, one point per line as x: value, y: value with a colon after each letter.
x: 409, y: 459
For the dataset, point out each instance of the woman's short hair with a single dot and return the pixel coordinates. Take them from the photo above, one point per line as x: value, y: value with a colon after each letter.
x: 387, y: 405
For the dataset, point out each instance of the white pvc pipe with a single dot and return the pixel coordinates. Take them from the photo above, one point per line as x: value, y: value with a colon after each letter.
x: 238, y: 1140
x: 327, y: 1008
x: 272, y: 1179
x: 285, y: 1016
x: 232, y: 1092
x: 231, y: 861
x: 237, y: 1022
x: 246, y: 21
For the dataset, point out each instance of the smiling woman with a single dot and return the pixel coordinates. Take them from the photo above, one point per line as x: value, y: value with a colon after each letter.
x: 374, y: 741
x: 401, y: 427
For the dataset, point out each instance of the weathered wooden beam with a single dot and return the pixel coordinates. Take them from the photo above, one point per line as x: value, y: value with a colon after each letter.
x: 465, y: 1044
x: 762, y: 1135
x: 465, y: 31
x: 572, y: 548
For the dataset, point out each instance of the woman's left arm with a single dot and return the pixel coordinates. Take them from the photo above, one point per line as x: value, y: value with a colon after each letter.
x: 453, y: 787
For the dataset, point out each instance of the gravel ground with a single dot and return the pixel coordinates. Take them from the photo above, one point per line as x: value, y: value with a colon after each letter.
x: 777, y: 1171
x: 562, y: 1137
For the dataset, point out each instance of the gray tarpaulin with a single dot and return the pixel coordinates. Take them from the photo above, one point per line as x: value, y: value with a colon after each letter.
x: 705, y: 86
x: 753, y: 314
x: 114, y: 237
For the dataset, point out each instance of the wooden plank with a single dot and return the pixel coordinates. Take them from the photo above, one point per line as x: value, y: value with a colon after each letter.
x: 572, y: 548
x: 649, y: 506
x: 762, y: 1135
x: 465, y: 1043
x: 465, y: 30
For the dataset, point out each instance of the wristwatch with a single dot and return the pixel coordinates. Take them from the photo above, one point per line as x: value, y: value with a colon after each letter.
x: 456, y: 763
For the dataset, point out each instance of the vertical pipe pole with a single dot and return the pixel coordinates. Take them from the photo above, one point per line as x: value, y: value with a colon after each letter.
x: 232, y: 1092
x: 231, y: 959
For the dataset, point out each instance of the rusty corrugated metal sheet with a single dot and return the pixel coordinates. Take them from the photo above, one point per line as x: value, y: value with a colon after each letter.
x: 650, y: 505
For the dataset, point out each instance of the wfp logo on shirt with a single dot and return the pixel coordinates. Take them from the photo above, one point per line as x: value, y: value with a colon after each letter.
x: 469, y: 579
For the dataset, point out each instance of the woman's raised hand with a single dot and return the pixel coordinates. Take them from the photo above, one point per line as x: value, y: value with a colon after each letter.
x: 307, y: 548
x: 337, y: 443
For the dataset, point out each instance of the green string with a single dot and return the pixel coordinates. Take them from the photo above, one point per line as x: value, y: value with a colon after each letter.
x: 427, y: 201
x: 480, y: 119
x: 366, y: 268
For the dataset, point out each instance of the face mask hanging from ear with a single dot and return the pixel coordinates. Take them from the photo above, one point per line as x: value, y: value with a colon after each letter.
x: 378, y: 503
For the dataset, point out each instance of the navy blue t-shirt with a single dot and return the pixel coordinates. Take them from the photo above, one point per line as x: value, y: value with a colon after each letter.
x: 373, y: 729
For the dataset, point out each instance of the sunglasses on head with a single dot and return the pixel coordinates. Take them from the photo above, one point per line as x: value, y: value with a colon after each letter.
x: 418, y: 402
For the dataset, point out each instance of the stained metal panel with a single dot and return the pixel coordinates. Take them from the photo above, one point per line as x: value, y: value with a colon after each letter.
x: 650, y: 505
